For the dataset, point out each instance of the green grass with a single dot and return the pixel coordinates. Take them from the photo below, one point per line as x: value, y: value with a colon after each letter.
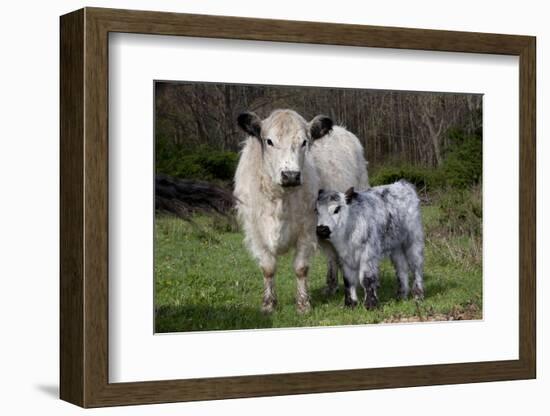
x: 206, y: 280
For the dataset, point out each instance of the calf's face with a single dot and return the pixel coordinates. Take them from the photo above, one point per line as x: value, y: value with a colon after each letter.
x: 285, y: 138
x: 332, y: 211
x: 330, y: 208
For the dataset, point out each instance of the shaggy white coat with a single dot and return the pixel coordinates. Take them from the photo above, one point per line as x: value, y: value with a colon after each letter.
x: 277, y: 219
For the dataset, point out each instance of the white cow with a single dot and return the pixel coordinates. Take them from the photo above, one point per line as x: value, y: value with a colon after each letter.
x: 283, y: 164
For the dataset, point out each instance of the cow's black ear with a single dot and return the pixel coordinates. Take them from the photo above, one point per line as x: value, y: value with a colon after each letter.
x: 320, y: 126
x: 350, y: 195
x: 251, y: 124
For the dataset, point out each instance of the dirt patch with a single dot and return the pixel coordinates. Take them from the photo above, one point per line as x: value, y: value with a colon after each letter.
x: 458, y: 313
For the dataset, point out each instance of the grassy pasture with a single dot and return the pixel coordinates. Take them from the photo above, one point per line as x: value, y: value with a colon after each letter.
x: 206, y: 280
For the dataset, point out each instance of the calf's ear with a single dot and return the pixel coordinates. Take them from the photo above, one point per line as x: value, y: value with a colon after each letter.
x: 350, y: 195
x: 320, y: 126
x: 251, y: 124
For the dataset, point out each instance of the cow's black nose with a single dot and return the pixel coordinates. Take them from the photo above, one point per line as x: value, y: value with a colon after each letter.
x: 323, y: 231
x: 290, y: 178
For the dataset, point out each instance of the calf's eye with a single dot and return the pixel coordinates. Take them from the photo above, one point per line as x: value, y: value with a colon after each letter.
x: 304, y: 143
x: 337, y: 210
x: 269, y: 142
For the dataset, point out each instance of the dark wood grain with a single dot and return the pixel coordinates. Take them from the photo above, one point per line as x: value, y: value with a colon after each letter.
x: 527, y: 208
x: 71, y: 99
x: 96, y: 216
x: 84, y: 207
x: 226, y: 27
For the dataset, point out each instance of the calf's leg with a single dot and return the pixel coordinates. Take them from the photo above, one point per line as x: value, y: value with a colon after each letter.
x: 415, y: 257
x: 369, y: 280
x: 401, y: 266
x: 350, y: 287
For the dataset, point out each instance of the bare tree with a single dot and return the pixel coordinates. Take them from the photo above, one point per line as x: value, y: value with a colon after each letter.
x: 405, y: 127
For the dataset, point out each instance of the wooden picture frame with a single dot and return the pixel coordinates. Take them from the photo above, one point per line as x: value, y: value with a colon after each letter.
x: 84, y: 207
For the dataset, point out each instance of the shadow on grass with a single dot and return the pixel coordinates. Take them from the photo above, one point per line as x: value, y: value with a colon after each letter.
x: 208, y: 317
x: 387, y: 290
x: 319, y: 295
x: 433, y: 286
x: 204, y: 317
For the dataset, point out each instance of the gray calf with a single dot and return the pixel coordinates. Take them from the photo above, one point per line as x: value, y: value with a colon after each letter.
x: 364, y: 227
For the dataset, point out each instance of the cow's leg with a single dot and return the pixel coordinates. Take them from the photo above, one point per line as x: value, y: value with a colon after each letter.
x: 402, y: 272
x: 303, y: 304
x: 301, y: 268
x: 268, y: 264
x: 369, y: 280
x: 332, y: 267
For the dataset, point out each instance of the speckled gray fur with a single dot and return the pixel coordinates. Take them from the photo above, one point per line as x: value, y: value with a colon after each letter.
x: 364, y: 227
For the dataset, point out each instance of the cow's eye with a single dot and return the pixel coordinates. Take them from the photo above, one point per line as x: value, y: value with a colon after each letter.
x: 337, y: 210
x: 304, y: 143
x: 269, y: 142
x: 316, y: 211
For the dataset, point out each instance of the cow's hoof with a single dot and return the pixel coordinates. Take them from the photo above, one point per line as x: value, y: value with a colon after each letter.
x: 350, y: 303
x: 269, y: 305
x: 303, y: 306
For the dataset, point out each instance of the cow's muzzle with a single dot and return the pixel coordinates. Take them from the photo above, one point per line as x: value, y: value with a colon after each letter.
x: 323, y: 231
x: 291, y: 178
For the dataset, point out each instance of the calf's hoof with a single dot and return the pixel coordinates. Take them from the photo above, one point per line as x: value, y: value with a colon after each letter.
x: 330, y: 290
x: 418, y: 293
x: 303, y: 305
x: 401, y: 295
x: 350, y: 303
x: 371, y: 303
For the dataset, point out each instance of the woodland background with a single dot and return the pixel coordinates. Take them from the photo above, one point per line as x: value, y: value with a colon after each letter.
x: 197, y: 135
x: 204, y: 277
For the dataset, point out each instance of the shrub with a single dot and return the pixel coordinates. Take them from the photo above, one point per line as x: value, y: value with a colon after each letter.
x: 201, y: 163
x: 220, y: 165
x: 462, y: 166
x: 461, y: 211
x: 422, y: 178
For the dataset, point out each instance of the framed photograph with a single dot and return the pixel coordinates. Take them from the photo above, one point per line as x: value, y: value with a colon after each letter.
x: 255, y: 207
